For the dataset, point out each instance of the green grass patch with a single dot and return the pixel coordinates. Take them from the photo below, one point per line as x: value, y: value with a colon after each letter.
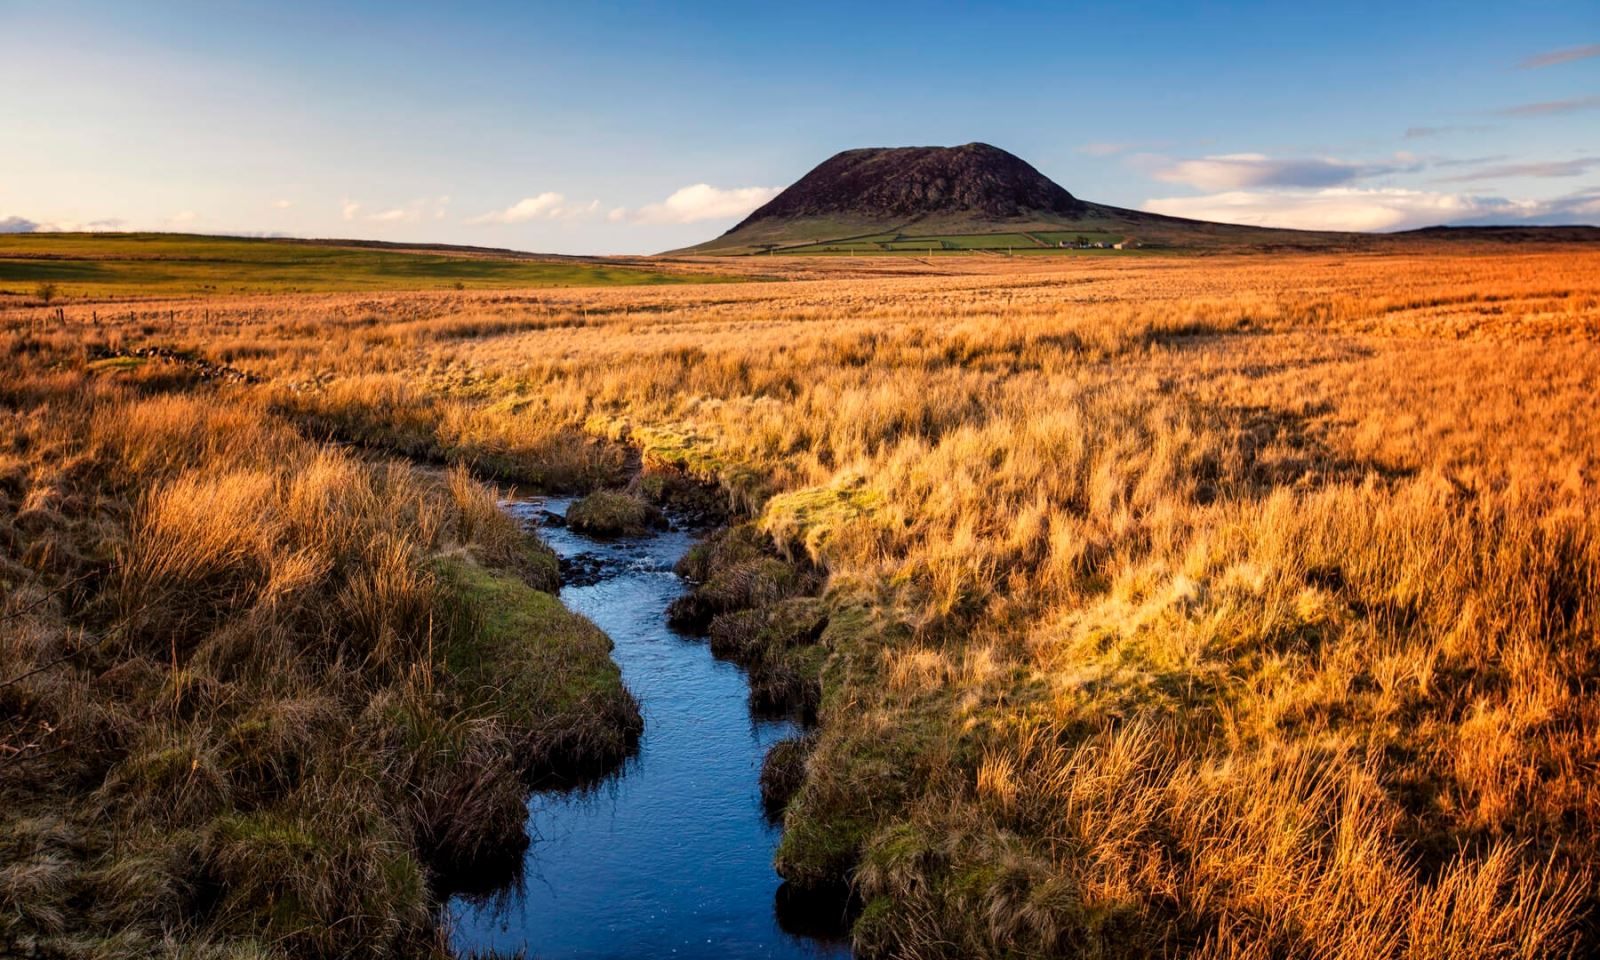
x: 118, y: 265
x: 115, y: 364
x: 608, y: 513
x: 979, y: 241
x: 853, y: 246
x: 809, y: 518
x: 517, y: 654
x: 1073, y: 236
x: 1032, y: 242
x: 523, y: 647
x: 682, y: 449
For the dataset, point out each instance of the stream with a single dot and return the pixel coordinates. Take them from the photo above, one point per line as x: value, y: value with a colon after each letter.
x: 672, y: 854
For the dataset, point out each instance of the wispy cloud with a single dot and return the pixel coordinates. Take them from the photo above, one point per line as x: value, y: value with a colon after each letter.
x: 544, y: 206
x: 1110, y: 148
x: 1552, y: 168
x: 1349, y: 208
x: 1239, y: 170
x: 1580, y: 207
x: 16, y: 224
x: 1467, y: 161
x: 1103, y: 149
x: 1549, y: 107
x: 1418, y: 133
x: 1566, y: 55
x: 411, y: 212
x: 699, y: 202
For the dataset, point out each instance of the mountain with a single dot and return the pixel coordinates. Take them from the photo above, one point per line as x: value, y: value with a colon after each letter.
x: 899, y: 196
x: 906, y: 199
x: 975, y: 182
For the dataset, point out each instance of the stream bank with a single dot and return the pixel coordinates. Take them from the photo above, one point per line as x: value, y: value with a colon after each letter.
x: 672, y: 854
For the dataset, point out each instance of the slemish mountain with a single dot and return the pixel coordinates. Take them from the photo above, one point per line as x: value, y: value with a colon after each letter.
x: 980, y: 197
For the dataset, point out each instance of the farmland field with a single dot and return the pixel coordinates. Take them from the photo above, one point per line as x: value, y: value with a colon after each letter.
x: 97, y: 265
x: 1028, y: 242
x: 1237, y: 607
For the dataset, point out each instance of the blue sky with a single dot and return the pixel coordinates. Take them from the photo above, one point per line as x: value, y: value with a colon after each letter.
x: 634, y: 128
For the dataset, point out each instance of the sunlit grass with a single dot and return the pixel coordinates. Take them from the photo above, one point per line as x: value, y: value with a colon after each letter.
x: 1232, y: 607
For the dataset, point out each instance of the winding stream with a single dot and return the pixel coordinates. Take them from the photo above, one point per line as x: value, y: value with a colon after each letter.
x: 671, y: 856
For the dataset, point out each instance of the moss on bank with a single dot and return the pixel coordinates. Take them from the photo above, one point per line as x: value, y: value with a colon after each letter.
x: 518, y: 655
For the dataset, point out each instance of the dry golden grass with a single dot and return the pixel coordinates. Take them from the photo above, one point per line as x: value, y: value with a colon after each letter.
x: 1232, y: 607
x: 242, y: 698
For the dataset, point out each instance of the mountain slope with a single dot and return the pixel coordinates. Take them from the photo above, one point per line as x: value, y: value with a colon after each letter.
x: 908, y: 183
x: 971, y: 189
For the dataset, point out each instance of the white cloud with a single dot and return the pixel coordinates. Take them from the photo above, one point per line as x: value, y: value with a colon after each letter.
x: 283, y: 204
x: 1235, y: 171
x: 1348, y: 208
x: 700, y: 202
x: 407, y: 213
x: 182, y: 217
x: 545, y: 206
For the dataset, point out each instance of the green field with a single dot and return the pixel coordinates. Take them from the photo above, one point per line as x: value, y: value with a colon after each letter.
x: 1014, y: 243
x: 117, y: 265
x: 1052, y: 237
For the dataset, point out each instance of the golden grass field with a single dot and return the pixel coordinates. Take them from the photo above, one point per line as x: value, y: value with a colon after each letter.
x: 1215, y: 607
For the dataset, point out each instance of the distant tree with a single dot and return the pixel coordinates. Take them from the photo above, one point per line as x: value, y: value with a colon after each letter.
x: 45, y: 291
x: 460, y: 285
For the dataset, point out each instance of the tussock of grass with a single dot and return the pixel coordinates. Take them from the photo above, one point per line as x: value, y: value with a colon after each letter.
x: 517, y: 655
x: 807, y: 519
x: 783, y: 770
x: 496, y: 543
x: 735, y: 569
x: 607, y: 513
x: 778, y: 645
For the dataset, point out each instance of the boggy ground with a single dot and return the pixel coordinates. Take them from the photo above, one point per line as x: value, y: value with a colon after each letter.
x: 1217, y: 607
x: 259, y: 696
